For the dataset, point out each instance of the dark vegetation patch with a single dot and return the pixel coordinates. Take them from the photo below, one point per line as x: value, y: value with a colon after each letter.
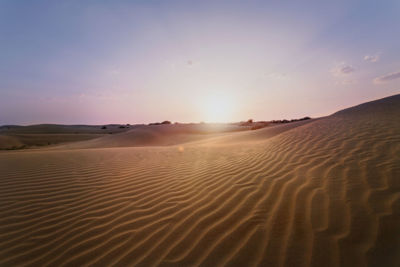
x: 161, y: 123
x: 254, y: 125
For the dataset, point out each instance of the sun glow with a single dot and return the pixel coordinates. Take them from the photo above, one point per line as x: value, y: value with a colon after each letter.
x: 218, y: 108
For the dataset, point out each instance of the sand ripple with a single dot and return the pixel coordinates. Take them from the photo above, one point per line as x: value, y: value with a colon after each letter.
x: 322, y: 194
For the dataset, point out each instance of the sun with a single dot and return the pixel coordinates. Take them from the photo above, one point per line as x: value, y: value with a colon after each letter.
x: 218, y: 108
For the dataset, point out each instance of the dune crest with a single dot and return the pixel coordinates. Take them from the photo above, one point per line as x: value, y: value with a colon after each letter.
x: 323, y: 193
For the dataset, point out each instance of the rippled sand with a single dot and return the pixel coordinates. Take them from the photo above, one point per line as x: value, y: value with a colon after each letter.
x: 322, y: 193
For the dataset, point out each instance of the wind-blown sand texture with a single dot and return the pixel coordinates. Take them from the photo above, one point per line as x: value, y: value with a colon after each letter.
x: 323, y: 193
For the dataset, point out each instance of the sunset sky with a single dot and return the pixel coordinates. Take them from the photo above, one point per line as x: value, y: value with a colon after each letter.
x: 97, y: 62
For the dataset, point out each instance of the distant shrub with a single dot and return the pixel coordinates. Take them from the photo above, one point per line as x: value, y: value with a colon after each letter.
x: 292, y: 120
x: 121, y: 127
x: 249, y: 122
x: 159, y: 123
x: 104, y: 127
x: 305, y: 118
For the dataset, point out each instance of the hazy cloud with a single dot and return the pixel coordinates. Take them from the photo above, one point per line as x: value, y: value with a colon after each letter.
x: 342, y: 69
x: 347, y: 69
x: 372, y: 58
x: 387, y: 77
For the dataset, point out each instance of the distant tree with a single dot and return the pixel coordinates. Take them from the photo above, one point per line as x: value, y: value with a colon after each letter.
x: 121, y: 127
x: 104, y: 127
x: 166, y: 122
x: 250, y: 121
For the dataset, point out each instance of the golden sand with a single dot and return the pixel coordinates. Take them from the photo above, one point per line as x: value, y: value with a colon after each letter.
x: 322, y: 193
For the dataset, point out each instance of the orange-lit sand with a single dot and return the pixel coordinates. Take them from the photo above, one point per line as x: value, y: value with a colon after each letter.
x: 320, y: 193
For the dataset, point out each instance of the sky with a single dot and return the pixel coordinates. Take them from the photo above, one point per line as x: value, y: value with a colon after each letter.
x: 98, y: 62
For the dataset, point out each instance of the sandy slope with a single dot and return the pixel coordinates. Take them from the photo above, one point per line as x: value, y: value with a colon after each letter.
x: 325, y: 193
x: 159, y: 135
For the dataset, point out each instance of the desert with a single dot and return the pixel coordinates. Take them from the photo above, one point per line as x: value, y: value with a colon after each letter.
x: 200, y: 133
x: 320, y: 192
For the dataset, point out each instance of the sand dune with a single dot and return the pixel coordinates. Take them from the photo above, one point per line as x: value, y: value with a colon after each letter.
x: 188, y: 134
x: 259, y: 135
x: 322, y: 193
x: 159, y: 135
